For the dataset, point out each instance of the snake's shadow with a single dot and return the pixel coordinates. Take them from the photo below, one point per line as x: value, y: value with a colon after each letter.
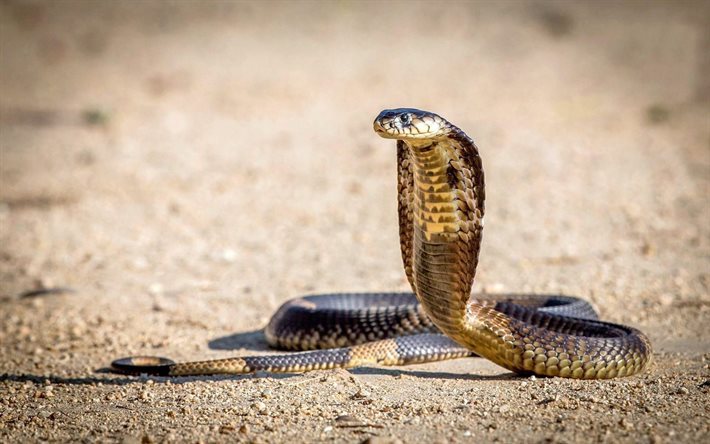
x: 250, y: 340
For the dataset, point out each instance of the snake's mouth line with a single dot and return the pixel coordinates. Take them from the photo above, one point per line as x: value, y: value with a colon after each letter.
x: 383, y: 132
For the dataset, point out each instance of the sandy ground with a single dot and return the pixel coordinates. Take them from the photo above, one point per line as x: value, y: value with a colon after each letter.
x: 186, y: 167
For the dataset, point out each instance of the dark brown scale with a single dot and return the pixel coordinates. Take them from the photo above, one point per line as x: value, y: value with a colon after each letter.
x: 351, y: 319
x: 451, y: 175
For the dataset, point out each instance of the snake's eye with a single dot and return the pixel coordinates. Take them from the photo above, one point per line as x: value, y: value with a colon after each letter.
x: 406, y: 119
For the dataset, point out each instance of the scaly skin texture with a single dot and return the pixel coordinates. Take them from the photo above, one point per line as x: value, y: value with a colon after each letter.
x: 441, y: 211
x: 441, y: 206
x: 352, y: 330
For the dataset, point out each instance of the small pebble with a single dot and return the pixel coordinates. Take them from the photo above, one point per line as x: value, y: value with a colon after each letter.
x: 156, y: 289
x: 382, y: 440
x: 361, y: 394
x: 229, y: 255
x: 259, y: 406
x: 226, y: 428
x: 346, y: 419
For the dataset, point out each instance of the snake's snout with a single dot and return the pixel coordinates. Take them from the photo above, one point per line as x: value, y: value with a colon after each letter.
x: 379, y: 129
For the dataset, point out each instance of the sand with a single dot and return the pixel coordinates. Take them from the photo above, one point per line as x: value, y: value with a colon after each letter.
x: 186, y: 167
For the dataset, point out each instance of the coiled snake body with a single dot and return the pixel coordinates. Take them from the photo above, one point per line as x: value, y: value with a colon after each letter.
x: 441, y: 207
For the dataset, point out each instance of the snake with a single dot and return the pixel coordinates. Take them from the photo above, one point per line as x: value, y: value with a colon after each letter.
x: 441, y: 194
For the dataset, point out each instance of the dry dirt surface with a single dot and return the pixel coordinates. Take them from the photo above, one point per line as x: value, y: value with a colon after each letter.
x: 182, y: 168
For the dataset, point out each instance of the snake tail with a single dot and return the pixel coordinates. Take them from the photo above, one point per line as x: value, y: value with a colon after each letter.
x: 403, y: 350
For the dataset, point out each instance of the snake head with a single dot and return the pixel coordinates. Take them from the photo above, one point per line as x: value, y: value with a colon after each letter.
x: 409, y: 124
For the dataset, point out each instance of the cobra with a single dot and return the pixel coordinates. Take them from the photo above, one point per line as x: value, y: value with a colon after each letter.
x: 441, y: 194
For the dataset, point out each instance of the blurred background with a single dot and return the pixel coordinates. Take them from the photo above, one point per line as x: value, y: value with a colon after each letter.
x: 200, y: 162
x: 172, y: 171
